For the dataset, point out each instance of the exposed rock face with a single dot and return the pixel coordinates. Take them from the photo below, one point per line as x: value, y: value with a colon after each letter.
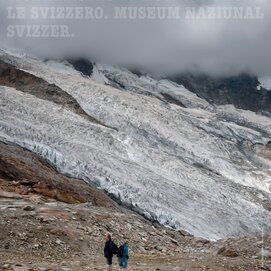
x: 263, y: 150
x: 82, y: 65
x: 241, y: 91
x: 25, y: 173
x: 190, y: 165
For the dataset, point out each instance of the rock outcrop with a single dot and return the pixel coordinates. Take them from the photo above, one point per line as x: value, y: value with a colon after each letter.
x: 243, y: 91
x: 25, y: 173
x: 40, y: 233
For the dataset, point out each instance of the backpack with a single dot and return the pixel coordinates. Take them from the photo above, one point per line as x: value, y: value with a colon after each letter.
x: 120, y: 251
x: 114, y: 248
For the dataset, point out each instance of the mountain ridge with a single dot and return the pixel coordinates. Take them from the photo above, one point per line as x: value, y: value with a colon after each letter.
x: 197, y: 167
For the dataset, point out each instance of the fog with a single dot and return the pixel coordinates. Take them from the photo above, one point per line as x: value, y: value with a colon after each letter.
x: 217, y: 45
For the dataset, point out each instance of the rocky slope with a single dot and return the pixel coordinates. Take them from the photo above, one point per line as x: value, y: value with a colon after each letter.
x: 154, y: 145
x: 50, y: 222
x: 25, y: 173
x: 38, y: 233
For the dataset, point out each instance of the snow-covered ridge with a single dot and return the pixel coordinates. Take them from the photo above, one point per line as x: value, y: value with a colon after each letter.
x: 192, y: 167
x: 147, y: 85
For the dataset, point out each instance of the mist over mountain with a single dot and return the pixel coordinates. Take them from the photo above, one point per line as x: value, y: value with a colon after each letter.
x: 220, y: 46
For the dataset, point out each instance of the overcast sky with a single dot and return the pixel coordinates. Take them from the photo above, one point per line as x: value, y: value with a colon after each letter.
x: 217, y: 46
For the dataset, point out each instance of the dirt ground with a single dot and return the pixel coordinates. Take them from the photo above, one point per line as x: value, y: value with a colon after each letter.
x: 51, y: 222
x: 41, y: 234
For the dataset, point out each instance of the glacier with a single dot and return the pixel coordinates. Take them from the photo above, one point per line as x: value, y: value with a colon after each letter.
x: 157, y: 147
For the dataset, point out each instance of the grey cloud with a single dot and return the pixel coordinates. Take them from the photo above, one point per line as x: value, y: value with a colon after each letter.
x: 218, y: 46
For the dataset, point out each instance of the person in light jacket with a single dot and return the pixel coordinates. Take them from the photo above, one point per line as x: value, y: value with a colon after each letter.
x: 123, y: 256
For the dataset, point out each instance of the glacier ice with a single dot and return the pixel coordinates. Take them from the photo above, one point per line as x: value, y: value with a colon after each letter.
x: 188, y: 167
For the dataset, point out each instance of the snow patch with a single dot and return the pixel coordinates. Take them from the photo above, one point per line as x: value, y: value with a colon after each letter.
x: 61, y: 66
x: 13, y: 52
x: 265, y: 82
x: 98, y: 76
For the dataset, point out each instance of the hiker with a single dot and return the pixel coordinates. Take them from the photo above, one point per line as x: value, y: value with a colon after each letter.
x: 108, y: 251
x: 123, y: 256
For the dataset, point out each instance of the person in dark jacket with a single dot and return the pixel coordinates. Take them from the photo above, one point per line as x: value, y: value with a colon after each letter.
x: 108, y: 251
